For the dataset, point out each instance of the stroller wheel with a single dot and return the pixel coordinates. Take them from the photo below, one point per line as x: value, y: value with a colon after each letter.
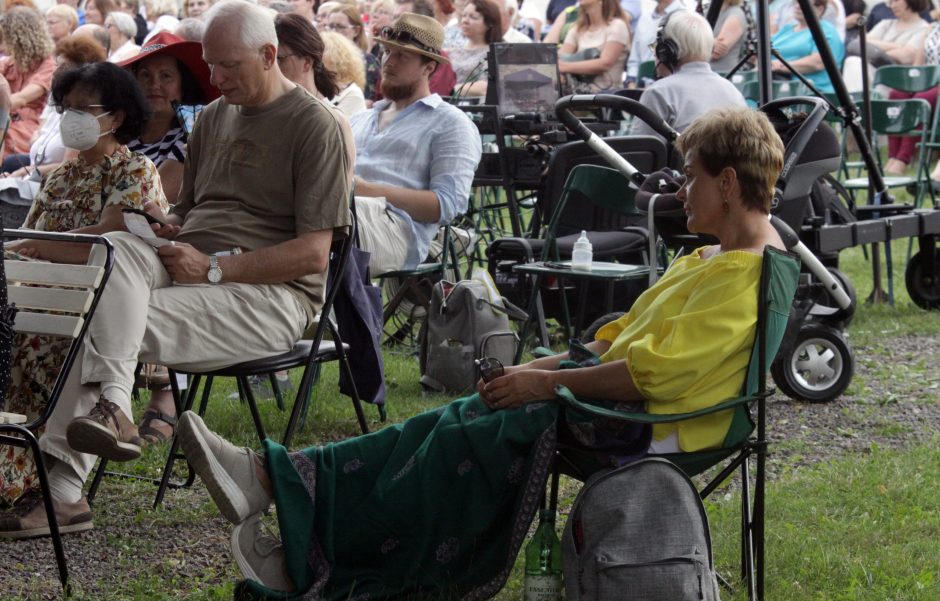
x: 923, y: 288
x: 818, y: 367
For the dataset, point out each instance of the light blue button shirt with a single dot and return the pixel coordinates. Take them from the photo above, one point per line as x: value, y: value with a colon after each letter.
x: 430, y: 145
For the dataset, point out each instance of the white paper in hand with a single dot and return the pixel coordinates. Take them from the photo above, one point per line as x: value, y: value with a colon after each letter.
x: 138, y: 225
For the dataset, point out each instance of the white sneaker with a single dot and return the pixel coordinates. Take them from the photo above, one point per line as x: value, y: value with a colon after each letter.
x: 227, y: 471
x: 259, y: 556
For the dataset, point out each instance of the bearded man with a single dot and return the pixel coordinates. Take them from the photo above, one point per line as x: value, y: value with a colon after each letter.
x: 415, y: 153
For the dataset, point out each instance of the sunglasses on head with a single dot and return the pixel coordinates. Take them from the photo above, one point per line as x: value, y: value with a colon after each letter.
x: 403, y: 37
x: 490, y: 368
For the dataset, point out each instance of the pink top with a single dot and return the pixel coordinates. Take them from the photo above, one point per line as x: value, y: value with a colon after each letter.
x: 25, y: 120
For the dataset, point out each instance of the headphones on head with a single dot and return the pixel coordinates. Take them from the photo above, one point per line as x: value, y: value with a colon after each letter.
x: 666, y: 50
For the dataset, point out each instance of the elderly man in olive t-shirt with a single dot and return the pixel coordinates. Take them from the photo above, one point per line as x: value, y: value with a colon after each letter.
x: 266, y: 172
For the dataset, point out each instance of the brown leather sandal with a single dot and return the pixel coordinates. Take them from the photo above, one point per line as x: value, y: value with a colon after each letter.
x: 151, y: 434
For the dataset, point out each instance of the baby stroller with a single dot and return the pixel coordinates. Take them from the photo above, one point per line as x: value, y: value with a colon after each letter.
x: 815, y: 361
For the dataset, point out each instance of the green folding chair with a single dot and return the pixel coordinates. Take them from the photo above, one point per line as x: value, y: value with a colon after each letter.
x: 608, y: 190
x: 646, y: 69
x: 746, y: 436
x: 899, y: 118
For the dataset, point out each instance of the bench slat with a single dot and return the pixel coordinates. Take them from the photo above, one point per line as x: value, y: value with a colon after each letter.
x: 51, y: 299
x: 53, y: 274
x: 12, y: 418
x: 48, y: 325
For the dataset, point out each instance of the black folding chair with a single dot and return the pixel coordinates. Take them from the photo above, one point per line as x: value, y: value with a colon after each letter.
x: 307, y: 353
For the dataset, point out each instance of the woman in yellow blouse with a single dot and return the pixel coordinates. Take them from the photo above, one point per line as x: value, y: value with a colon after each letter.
x: 449, y: 494
x: 686, y: 342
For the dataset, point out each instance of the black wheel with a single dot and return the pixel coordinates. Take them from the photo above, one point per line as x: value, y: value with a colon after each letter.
x: 818, y: 367
x: 924, y: 290
x: 597, y: 324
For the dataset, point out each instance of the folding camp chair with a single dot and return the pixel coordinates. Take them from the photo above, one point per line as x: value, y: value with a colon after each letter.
x: 408, y: 291
x: 586, y: 185
x: 745, y: 438
x: 59, y: 301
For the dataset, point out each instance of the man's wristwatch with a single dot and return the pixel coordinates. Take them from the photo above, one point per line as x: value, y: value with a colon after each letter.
x: 215, y: 272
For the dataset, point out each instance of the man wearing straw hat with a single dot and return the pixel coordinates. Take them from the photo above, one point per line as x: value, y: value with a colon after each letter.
x: 415, y: 154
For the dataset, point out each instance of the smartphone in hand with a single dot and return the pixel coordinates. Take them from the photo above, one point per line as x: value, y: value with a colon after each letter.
x: 150, y: 218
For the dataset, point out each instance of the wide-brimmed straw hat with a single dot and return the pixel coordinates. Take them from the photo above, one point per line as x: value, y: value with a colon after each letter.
x: 416, y: 33
x: 188, y: 53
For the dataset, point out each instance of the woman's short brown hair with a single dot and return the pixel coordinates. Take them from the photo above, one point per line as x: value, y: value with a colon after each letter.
x: 80, y: 49
x: 743, y: 139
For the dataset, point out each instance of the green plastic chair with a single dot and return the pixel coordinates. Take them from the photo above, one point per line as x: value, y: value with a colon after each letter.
x: 646, y: 69
x: 900, y: 118
x: 779, y: 89
x: 606, y: 189
x: 746, y: 436
x: 907, y: 79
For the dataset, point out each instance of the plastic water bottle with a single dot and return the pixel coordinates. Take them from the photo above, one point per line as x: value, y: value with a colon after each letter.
x: 583, y: 253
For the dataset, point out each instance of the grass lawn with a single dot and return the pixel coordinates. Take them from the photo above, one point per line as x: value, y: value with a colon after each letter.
x: 846, y: 526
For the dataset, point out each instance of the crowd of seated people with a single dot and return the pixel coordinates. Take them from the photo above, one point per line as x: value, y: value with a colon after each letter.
x: 304, y: 103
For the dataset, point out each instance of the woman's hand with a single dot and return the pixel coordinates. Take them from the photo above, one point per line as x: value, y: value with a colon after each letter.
x: 167, y: 230
x: 517, y: 388
x: 25, y: 248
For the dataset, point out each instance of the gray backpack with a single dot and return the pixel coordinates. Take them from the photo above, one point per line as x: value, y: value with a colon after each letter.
x: 639, y: 532
x: 463, y: 324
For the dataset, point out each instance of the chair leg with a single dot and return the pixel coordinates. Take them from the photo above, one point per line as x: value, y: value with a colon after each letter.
x: 253, y: 408
x: 50, y: 510
x: 354, y: 392
x: 747, y: 548
x: 96, y: 481
x: 278, y: 397
x: 301, y: 403
x: 173, y: 454
x: 757, y: 535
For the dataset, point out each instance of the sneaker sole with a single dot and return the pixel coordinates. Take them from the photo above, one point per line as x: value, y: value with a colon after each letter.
x: 89, y: 437
x: 44, y: 531
x: 242, y: 562
x: 227, y: 495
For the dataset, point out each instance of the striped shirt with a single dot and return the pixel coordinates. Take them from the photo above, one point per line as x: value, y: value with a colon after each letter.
x: 171, y: 146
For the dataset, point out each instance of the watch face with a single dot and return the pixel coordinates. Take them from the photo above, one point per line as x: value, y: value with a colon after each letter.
x: 215, y: 275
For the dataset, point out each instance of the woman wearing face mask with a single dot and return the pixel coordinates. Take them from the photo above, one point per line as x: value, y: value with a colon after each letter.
x: 102, y: 109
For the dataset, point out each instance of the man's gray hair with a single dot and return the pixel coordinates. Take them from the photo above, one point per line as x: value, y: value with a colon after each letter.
x: 692, y: 34
x: 124, y: 22
x: 255, y: 23
x: 190, y: 29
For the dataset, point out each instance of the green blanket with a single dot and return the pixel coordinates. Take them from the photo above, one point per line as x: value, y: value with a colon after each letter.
x: 435, y: 507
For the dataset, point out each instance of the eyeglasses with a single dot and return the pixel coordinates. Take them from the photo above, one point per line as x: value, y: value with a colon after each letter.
x: 403, y: 37
x: 490, y: 368
x: 337, y: 27
x: 284, y: 57
x: 82, y: 109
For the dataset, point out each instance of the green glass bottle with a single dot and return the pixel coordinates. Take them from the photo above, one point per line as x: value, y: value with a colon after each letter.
x: 543, y: 562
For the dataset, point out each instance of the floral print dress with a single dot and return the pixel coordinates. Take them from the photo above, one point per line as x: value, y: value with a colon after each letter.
x: 72, y: 196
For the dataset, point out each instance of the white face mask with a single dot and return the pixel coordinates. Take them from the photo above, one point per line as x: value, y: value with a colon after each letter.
x: 80, y: 130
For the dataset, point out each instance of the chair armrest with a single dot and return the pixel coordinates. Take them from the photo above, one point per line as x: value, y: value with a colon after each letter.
x: 567, y: 398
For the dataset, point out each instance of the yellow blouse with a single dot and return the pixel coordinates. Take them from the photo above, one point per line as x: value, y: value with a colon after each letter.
x: 687, y: 341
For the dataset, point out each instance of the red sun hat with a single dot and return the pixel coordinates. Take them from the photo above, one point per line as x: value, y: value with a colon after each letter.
x: 188, y: 53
